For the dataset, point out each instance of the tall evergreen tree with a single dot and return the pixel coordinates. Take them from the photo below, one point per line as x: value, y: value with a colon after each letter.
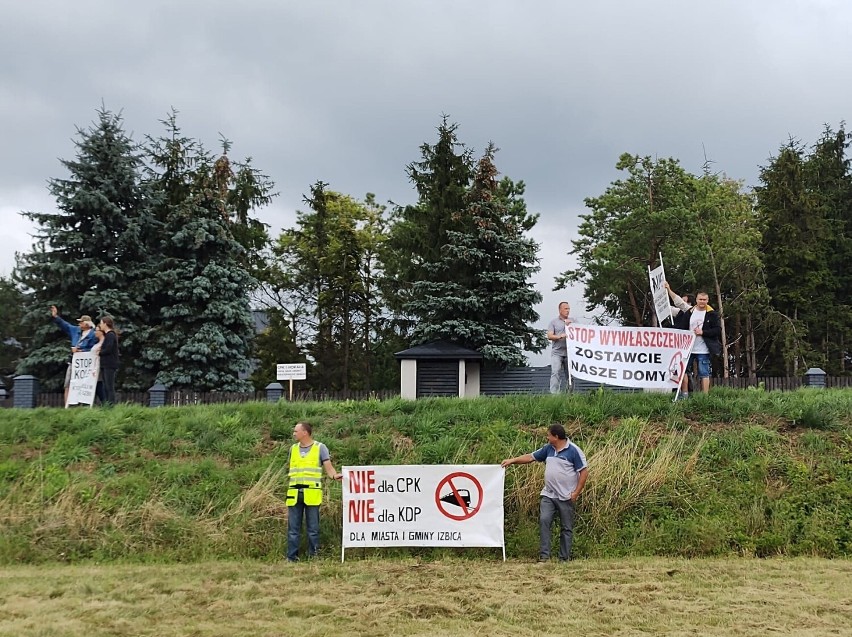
x: 441, y: 179
x: 90, y: 255
x: 828, y: 178
x: 477, y: 292
x: 201, y: 328
x: 13, y: 337
x: 795, y: 241
x: 242, y: 188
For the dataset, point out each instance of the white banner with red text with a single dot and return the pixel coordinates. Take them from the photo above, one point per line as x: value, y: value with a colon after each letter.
x: 423, y: 505
x: 641, y: 357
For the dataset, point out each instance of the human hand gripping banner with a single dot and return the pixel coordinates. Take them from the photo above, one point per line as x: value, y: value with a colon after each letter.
x: 423, y: 505
x: 641, y: 357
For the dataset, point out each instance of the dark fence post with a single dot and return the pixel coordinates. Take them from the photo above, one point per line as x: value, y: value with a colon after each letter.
x: 274, y: 392
x: 25, y: 392
x: 157, y: 395
x: 814, y: 377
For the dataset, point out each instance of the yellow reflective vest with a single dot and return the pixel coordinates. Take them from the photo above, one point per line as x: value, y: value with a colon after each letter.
x: 305, y: 476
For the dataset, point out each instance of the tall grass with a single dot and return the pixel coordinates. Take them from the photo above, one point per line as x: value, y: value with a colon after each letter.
x: 631, y: 468
x: 743, y: 473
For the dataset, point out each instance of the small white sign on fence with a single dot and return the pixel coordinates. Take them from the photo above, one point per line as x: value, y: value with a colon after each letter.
x: 291, y: 371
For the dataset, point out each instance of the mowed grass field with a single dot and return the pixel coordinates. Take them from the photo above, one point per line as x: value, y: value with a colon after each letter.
x: 458, y: 597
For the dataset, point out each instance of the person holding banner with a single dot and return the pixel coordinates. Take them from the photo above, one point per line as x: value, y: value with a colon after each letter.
x: 82, y: 337
x: 109, y: 358
x: 565, y: 475
x: 308, y: 458
x: 559, y: 370
x: 703, y: 321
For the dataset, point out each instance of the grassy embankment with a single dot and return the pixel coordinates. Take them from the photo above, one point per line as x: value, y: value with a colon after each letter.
x: 733, y: 473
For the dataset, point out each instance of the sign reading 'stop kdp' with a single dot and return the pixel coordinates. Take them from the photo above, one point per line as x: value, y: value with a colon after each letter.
x: 291, y: 371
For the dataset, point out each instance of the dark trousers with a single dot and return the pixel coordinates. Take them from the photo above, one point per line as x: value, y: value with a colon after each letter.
x: 549, y: 507
x: 294, y: 527
x: 109, y: 386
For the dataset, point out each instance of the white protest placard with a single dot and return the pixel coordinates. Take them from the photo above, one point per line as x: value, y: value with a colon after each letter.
x: 84, y: 378
x: 660, y: 294
x: 423, y: 505
x: 291, y: 371
x: 642, y: 357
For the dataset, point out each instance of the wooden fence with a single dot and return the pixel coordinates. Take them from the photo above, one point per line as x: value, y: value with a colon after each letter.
x: 179, y: 398
x: 782, y: 383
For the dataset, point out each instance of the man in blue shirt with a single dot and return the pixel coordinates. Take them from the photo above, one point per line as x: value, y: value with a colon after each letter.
x: 565, y: 474
x: 82, y: 337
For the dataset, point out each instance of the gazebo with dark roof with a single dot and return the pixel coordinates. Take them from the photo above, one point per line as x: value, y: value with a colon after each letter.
x: 439, y: 368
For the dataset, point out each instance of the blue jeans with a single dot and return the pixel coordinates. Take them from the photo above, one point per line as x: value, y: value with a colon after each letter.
x: 294, y: 528
x: 558, y: 372
x: 549, y: 507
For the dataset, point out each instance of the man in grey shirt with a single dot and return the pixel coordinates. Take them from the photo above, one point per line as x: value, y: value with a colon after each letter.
x: 565, y: 474
x: 559, y: 371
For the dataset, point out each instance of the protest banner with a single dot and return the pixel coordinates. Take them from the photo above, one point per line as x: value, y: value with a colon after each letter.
x: 660, y: 294
x: 84, y: 378
x: 662, y: 306
x: 641, y: 357
x: 423, y: 505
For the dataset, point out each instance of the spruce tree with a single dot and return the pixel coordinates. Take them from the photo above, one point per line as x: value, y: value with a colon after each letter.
x: 13, y: 336
x: 91, y: 254
x: 441, y: 178
x: 201, y: 327
x: 477, y: 291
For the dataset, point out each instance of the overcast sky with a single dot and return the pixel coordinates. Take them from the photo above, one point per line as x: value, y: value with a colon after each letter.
x: 346, y: 91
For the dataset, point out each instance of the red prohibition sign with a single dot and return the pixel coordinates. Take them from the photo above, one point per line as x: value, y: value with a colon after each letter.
x: 456, y: 499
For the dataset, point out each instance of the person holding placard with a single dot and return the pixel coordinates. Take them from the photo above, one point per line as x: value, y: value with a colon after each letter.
x: 565, y: 475
x: 703, y: 321
x: 109, y: 358
x: 82, y: 337
x: 556, y: 334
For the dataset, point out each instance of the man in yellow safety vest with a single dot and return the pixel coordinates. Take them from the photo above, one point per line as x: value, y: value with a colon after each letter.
x: 304, y: 493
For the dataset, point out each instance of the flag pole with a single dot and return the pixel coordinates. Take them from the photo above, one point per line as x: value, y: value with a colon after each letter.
x: 671, y: 318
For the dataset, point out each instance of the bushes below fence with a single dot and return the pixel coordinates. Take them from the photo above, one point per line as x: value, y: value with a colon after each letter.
x: 732, y: 473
